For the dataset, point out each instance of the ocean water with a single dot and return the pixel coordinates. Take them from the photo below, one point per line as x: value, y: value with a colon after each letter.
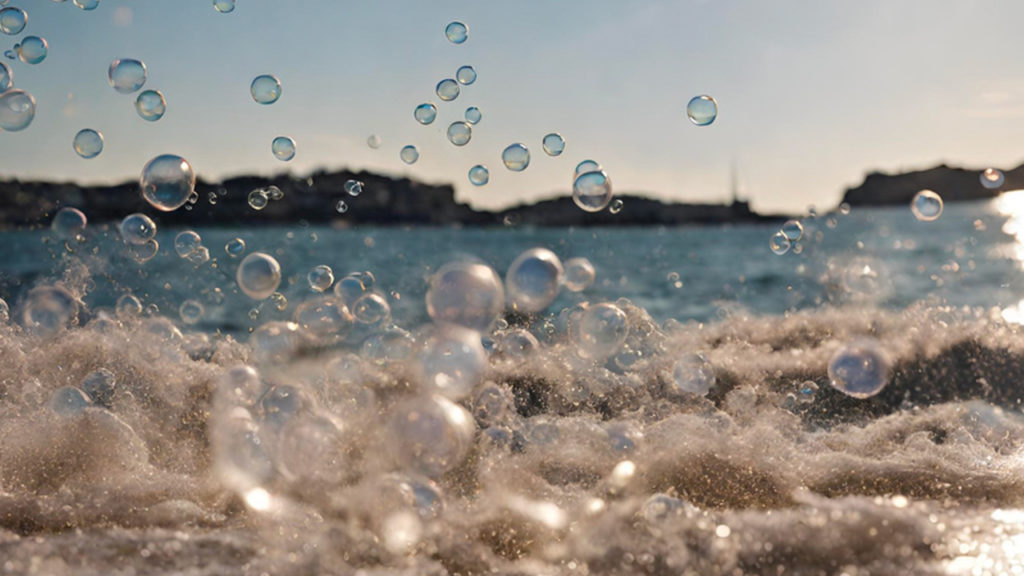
x: 243, y: 444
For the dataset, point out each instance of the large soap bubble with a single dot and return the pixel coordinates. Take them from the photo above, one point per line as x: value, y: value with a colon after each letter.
x: 533, y: 280
x: 258, y: 275
x: 466, y: 293
x: 860, y: 369
x: 167, y: 181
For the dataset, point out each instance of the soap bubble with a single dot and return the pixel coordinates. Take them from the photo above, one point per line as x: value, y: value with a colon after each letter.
x: 860, y: 370
x: 224, y: 6
x: 258, y: 199
x: 258, y: 275
x: 283, y: 148
x: 48, y: 310
x: 586, y: 166
x: 425, y: 113
x: 779, y: 243
x: 200, y: 256
x: 88, y: 143
x: 409, y: 154
x: 17, y: 110
x: 186, y: 243
x: 431, y: 434
x: 274, y: 193
x: 473, y: 115
x: 191, y: 311
x: 87, y: 4
x: 469, y: 294
x: 806, y: 392
x: 479, y: 175
x: 128, y: 306
x: 33, y: 50
x: 517, y: 343
x: 320, y: 278
x: 616, y: 206
x: 68, y: 223
x: 515, y: 157
x: 374, y: 141
x: 793, y: 230
x: 265, y: 89
x: 276, y: 340
x: 323, y: 319
x: 456, y: 32
x: 341, y: 207
x: 466, y: 75
x: 592, y: 191
x: 6, y: 77
x: 553, y: 144
x: 350, y: 288
x: 143, y: 252
x: 692, y: 375
x: 451, y: 361
x: 459, y: 133
x: 372, y: 310
x: 353, y: 187
x: 992, y: 178
x: 579, y: 274
x: 600, y: 330
x: 702, y: 110
x: 447, y: 90
x: 126, y: 75
x: 151, y: 105
x: 533, y: 280
x: 12, y: 20
x: 235, y: 247
x: 926, y: 206
x: 137, y: 229
x: 167, y: 182
x: 100, y: 385
x: 69, y: 401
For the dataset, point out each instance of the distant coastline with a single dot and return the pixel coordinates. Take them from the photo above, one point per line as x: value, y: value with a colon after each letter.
x: 954, y: 184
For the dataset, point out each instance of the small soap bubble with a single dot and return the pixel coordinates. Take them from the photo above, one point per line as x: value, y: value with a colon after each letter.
x: 224, y: 6
x: 616, y: 206
x: 515, y: 157
x: 992, y: 178
x: 600, y: 330
x: 258, y: 275
x: 466, y: 293
x: 128, y: 306
x: 579, y: 274
x: 167, y: 182
x: 447, y: 90
x: 926, y: 206
x: 692, y: 375
x: 586, y: 166
x: 279, y: 301
x: 372, y: 310
x: 533, y: 280
x: 68, y: 223
x: 473, y: 115
x: 425, y: 113
x: 320, y: 278
x: 200, y: 256
x: 860, y: 370
x: 265, y: 89
x: 702, y: 110
x: 353, y: 187
x: 17, y: 110
x: 283, y: 148
x: 69, y: 401
x: 33, y: 50
x: 137, y: 229
x: 341, y: 207
x: 431, y: 434
x: 12, y: 20
x: 553, y: 144
x: 151, y: 105
x: 235, y: 247
x: 274, y: 193
x: 323, y: 319
x: 793, y: 230
x: 459, y: 133
x: 479, y: 175
x: 126, y: 75
x: 374, y: 141
x: 187, y: 242
x: 592, y: 191
x: 456, y: 32
x: 48, y: 310
x: 466, y: 75
x: 258, y: 199
x: 779, y: 243
x: 806, y: 392
x: 87, y: 4
x: 100, y: 385
x: 191, y: 311
x: 844, y: 209
x: 88, y: 143
x: 517, y: 343
x: 144, y: 252
x: 6, y: 77
x: 409, y: 154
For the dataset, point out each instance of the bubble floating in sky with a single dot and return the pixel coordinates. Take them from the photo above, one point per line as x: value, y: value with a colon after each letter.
x: 33, y: 50
x: 779, y: 243
x: 460, y: 133
x: 992, y: 178
x: 68, y: 223
x: 6, y: 77
x: 533, y: 280
x: 320, y: 278
x: 515, y: 157
x: 374, y: 141
x: 17, y: 110
x: 691, y: 375
x: 265, y: 89
x: 926, y: 206
x: 409, y: 154
x: 473, y: 115
x: 579, y: 274
x: 466, y: 293
x: 87, y: 4
x: 456, y: 32
x: 425, y: 113
x: 702, y: 110
x: 466, y: 75
x: 860, y: 370
x: 224, y: 6
x: 479, y: 175
x: 258, y: 199
x: 258, y: 275
x: 137, y: 229
x: 126, y: 75
x: 793, y: 230
x: 592, y: 191
x: 235, y: 247
x: 88, y: 143
x: 167, y: 181
x: 447, y: 90
x: 151, y: 105
x: 186, y: 243
x: 12, y: 20
x: 600, y: 330
x: 586, y: 166
x: 283, y: 148
x: 616, y: 206
x: 451, y: 361
x: 553, y: 144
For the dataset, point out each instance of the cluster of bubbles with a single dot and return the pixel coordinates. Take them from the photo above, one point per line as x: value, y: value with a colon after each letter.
x: 259, y: 198
x: 189, y: 246
x: 138, y: 232
x: 785, y: 238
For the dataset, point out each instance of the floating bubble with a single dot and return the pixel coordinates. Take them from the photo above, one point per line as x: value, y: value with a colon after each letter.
x: 274, y: 193
x: 579, y: 274
x: 137, y: 229
x: 600, y: 330
x: 167, y: 182
x: 926, y: 206
x: 515, y: 157
x: 87, y: 4
x: 283, y: 148
x: 860, y: 370
x: 353, y: 187
x: 616, y: 206
x: 372, y: 310
x: 479, y: 175
x: 586, y: 166
x: 143, y: 252
x: 186, y: 243
x: 459, y: 133
x: 533, y: 280
x: 374, y: 141
x: 69, y: 401
x: 466, y: 75
x: 793, y: 230
x: 6, y: 77
x: 126, y: 75
x: 341, y: 207
x: 350, y: 288
x: 100, y: 385
x: 323, y: 319
x: 779, y: 243
x: 68, y: 223
x: 17, y: 110
x: 992, y: 178
x: 200, y: 256
x: 265, y: 89
x: 151, y: 105
x: 235, y: 247
x: 409, y: 154
x: 191, y: 311
x: 517, y: 343
x: 258, y: 275
x: 692, y: 375
x: 456, y: 32
x: 33, y: 50
x: 128, y: 306
x: 702, y: 110
x: 447, y: 90
x: 320, y: 278
x: 806, y: 392
x: 592, y: 191
x: 425, y: 113
x: 88, y: 143
x: 258, y: 199
x: 12, y: 20
x: 224, y: 6
x: 553, y: 144
x: 469, y: 294
x: 48, y: 310
x: 451, y: 361
x: 431, y: 434
x: 473, y: 115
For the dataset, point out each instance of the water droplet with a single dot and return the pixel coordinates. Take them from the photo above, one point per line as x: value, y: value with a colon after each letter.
x: 533, y: 280
x: 151, y: 105
x: 258, y: 199
x: 459, y: 133
x: 258, y: 275
x: 926, y: 206
x: 469, y: 294
x: 33, y: 50
x: 320, y: 278
x: 425, y: 113
x: 456, y: 32
x: 12, y: 20
x: 479, y: 175
x: 68, y: 223
x: 235, y: 247
x: 473, y: 115
x: 167, y: 181
x: 265, y: 89
x: 860, y: 370
x: 374, y: 141
x: 447, y: 90
x: 592, y: 191
x: 992, y: 178
x: 187, y: 242
x: 793, y: 230
x: 224, y: 6
x: 586, y: 166
x: 17, y: 110
x: 515, y: 157
x: 341, y: 207
x: 616, y: 206
x: 137, y: 229
x: 579, y: 274
x: 702, y: 110
x: 87, y: 4
x: 88, y: 143
x: 126, y: 75
x: 6, y: 77
x: 409, y: 154
x: 191, y: 311
x: 553, y: 144
x: 600, y: 330
x: 353, y: 187
x: 779, y: 243
x: 691, y: 375
x: 283, y: 148
x: 466, y: 75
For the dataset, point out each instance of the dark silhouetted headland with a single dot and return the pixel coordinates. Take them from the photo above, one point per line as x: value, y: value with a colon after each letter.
x: 953, y: 184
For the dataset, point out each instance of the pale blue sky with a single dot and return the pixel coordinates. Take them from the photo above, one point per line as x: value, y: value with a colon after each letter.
x: 811, y: 94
